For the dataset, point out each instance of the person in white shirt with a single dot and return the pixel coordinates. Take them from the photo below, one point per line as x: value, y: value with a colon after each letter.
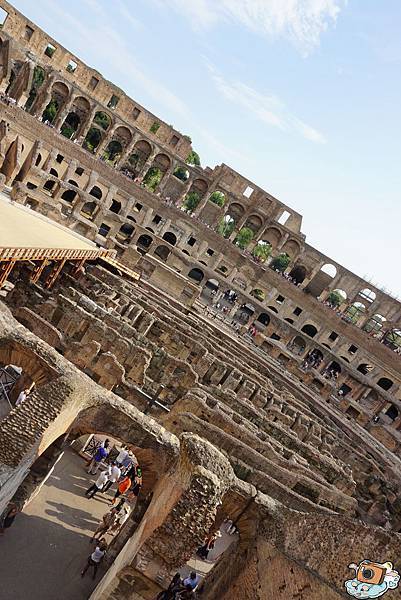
x: 22, y: 397
x: 121, y: 456
x: 99, y: 483
x: 114, y: 476
x: 95, y: 558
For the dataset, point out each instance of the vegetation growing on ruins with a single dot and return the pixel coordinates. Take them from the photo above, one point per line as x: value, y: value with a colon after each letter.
x: 50, y: 111
x: 181, y: 173
x: 37, y: 80
x: 244, y: 237
x: 193, y: 159
x: 152, y: 178
x: 281, y: 262
x: 335, y: 298
x: 191, y: 201
x: 262, y: 251
x: 217, y: 198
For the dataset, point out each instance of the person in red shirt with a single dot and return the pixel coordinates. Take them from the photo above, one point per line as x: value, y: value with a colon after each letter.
x: 123, y: 488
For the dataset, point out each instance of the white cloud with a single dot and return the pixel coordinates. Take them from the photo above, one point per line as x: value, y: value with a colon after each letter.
x: 300, y: 21
x: 267, y: 108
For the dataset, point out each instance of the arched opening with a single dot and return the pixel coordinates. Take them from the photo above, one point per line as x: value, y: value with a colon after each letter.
x: 162, y: 252
x: 181, y: 173
x: 280, y: 262
x: 364, y: 368
x: 354, y: 312
x: 212, y: 284
x: 392, y: 412
x: 70, y: 125
x: 217, y: 198
x: 244, y: 313
x: 273, y: 308
x: 375, y: 324
x: 115, y: 207
x: 385, y: 383
x: 92, y: 139
x: 321, y: 280
x: 103, y: 120
x: 258, y: 294
x: 141, y: 152
x: 292, y: 248
x: 152, y: 178
x: 196, y: 274
x: 333, y: 370
x: 336, y: 298
x: 112, y: 152
x: 310, y: 330
x: 145, y: 241
x: 49, y: 185
x: 392, y: 339
x: 59, y: 95
x: 226, y: 226
x: 96, y: 192
x: 273, y: 235
x: 69, y: 195
x: 126, y: 232
x: 254, y: 223
x: 298, y: 274
x: 244, y: 237
x: 89, y: 209
x: 314, y: 358
x: 297, y: 346
x: 264, y: 319
x: 170, y: 237
x: 262, y: 251
x: 367, y: 295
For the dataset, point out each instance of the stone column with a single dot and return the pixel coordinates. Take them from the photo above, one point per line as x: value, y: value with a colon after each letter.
x: 126, y: 153
x: 148, y: 163
x: 87, y: 124
x: 188, y: 185
x: 166, y: 176
x: 44, y: 97
x: 106, y: 140
x: 63, y: 112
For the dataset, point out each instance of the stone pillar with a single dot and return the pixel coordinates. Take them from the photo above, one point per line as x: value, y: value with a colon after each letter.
x: 44, y: 96
x: 167, y: 176
x: 87, y: 124
x: 94, y: 176
x: 106, y: 140
x: 126, y: 153
x: 188, y: 185
x: 70, y: 170
x: 63, y: 112
x: 148, y: 163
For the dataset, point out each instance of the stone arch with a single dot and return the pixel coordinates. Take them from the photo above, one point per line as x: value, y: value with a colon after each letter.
x: 102, y: 119
x: 145, y: 241
x: 69, y: 195
x: 200, y: 187
x: 71, y: 125
x: 333, y: 367
x: 181, y: 173
x: 123, y: 135
x: 89, y: 209
x: 367, y: 295
x: 364, y: 368
x: 113, y: 151
x: 162, y: 252
x: 244, y: 313
x: 354, y: 312
x: 126, y: 232
x: 321, y: 280
x: 310, y: 330
x: 96, y: 192
x: 392, y: 339
x: 236, y: 211
x: 59, y: 96
x: 264, y: 319
x: 196, y: 274
x: 297, y: 345
x: 170, y: 237
x: 140, y: 154
x: 212, y: 284
x: 115, y: 206
x: 385, y: 383
x: 374, y: 324
x: 49, y: 185
x: 254, y: 223
x: 392, y: 412
x: 92, y: 139
x: 298, y: 273
x: 292, y: 248
x: 273, y: 236
x: 217, y: 197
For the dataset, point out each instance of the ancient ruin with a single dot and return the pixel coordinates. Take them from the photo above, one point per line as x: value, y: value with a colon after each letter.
x: 256, y: 378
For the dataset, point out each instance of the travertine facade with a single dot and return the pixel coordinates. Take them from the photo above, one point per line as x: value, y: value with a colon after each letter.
x: 288, y: 452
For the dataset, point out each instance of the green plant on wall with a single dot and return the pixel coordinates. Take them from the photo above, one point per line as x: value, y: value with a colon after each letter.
x: 50, y: 111
x: 193, y: 159
x: 244, y: 237
x: 226, y: 226
x: 192, y: 200
x: 152, y: 178
x: 262, y: 251
x: 280, y: 262
x: 217, y: 198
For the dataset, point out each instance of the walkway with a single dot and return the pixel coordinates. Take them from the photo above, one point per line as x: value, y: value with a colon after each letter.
x: 44, y: 551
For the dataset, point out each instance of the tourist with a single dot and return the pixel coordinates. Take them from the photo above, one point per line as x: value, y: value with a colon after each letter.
x: 95, y: 558
x: 123, y: 512
x: 122, y: 455
x: 137, y: 484
x: 115, y: 474
x: 108, y: 520
x: 99, y: 484
x: 97, y: 458
x: 8, y: 516
x: 23, y: 396
x: 174, y: 587
x: 123, y: 488
x: 192, y: 581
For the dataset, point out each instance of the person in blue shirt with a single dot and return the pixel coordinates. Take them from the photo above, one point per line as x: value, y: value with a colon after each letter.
x: 97, y: 458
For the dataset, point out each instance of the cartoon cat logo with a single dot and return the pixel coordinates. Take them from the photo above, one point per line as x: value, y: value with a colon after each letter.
x: 372, y: 580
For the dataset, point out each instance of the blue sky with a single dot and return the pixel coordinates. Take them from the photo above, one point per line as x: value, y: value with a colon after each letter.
x: 301, y: 96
